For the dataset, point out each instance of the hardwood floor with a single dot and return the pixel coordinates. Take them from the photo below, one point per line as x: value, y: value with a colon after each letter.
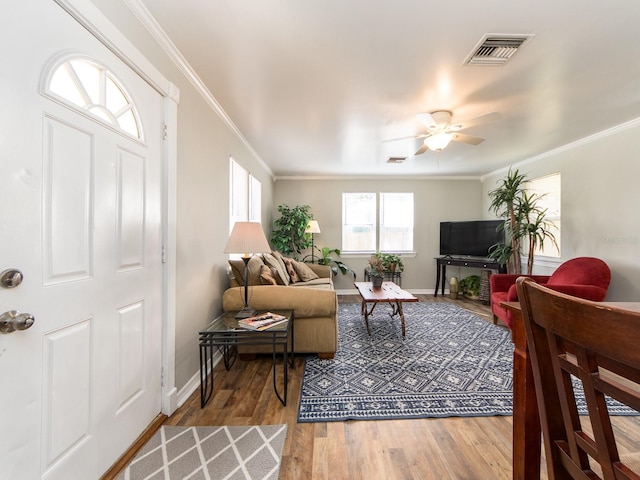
x: 431, y: 448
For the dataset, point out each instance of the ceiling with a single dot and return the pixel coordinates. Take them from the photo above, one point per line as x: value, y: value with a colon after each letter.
x: 315, y: 87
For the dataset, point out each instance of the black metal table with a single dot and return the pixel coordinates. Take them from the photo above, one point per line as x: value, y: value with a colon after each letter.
x: 469, y: 262
x: 225, y: 335
x: 389, y: 276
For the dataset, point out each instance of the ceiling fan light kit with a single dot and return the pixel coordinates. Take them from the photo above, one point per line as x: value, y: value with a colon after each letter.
x: 438, y: 141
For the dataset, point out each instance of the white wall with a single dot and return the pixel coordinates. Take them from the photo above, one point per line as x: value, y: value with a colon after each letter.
x: 435, y: 200
x: 600, y: 201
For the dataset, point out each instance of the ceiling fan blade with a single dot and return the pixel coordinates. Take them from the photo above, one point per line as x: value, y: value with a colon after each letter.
x: 427, y: 119
x: 461, y: 137
x: 421, y: 150
x: 398, y: 138
x: 422, y: 135
x: 486, y: 118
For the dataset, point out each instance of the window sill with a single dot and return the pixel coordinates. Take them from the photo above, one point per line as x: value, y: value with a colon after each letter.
x: 368, y: 254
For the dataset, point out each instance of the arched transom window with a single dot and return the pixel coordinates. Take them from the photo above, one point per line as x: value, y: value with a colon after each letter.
x: 90, y: 87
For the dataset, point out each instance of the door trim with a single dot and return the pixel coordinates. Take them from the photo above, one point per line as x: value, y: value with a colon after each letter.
x: 88, y: 15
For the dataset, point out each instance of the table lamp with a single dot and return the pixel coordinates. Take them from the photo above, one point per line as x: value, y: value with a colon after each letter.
x: 247, y: 238
x: 312, y: 228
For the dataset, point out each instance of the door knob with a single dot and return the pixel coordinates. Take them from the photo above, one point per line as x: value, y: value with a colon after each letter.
x: 14, y: 320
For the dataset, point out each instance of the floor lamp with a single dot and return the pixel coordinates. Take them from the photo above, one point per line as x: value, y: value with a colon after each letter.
x: 312, y: 228
x: 247, y: 238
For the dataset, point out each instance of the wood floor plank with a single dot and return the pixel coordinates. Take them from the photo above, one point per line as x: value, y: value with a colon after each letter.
x: 425, y: 448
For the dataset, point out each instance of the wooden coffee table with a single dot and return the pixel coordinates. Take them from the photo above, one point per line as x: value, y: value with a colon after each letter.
x: 389, y: 293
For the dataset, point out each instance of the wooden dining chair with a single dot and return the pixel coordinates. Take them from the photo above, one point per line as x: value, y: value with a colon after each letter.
x: 600, y: 345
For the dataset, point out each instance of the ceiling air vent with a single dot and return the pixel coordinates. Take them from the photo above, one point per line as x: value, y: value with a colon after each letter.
x: 496, y: 49
x: 396, y: 159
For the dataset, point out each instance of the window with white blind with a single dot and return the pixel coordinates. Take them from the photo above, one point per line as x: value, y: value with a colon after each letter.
x: 377, y: 222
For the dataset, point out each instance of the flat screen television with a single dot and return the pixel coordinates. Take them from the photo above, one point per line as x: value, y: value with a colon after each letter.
x: 472, y: 238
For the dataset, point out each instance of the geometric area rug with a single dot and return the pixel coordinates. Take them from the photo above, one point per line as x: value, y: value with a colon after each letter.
x: 210, y: 453
x: 450, y: 363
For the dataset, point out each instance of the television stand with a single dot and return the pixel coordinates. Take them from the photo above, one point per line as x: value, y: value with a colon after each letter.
x: 469, y: 262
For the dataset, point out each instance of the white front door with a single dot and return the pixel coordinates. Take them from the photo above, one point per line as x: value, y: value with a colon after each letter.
x: 80, y: 205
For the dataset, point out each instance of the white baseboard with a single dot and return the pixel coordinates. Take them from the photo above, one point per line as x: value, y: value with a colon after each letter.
x: 194, y: 382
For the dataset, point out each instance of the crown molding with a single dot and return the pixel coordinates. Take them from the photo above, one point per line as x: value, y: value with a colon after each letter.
x: 375, y: 177
x: 569, y: 146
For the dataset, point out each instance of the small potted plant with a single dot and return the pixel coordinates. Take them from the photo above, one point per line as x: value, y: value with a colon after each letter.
x: 376, y: 270
x: 470, y: 287
x: 392, y: 262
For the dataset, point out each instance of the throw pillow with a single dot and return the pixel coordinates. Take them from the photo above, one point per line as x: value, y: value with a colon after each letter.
x: 288, y: 263
x: 275, y: 273
x: 266, y: 277
x: 237, y: 268
x: 282, y: 277
x: 304, y: 272
x: 254, y: 265
x: 278, y: 256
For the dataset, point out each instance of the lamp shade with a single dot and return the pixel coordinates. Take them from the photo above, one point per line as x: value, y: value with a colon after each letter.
x: 247, y: 238
x: 438, y: 141
x: 313, y: 227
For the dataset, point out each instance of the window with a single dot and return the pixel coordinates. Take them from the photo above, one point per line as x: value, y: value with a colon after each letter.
x: 89, y: 87
x: 255, y: 200
x: 245, y: 195
x: 358, y: 222
x: 372, y: 222
x: 548, y: 190
x: 238, y: 194
x: 396, y: 222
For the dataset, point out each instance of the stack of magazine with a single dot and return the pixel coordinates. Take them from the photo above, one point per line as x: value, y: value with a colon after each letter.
x: 262, y: 322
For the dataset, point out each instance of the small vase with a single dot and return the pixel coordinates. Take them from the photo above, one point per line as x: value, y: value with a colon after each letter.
x: 377, y: 282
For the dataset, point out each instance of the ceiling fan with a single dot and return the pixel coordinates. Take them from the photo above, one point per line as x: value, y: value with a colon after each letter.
x: 441, y: 130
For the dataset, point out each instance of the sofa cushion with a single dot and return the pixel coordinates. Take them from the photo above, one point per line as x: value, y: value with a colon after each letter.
x: 255, y: 264
x: 303, y: 271
x: 293, y: 275
x: 266, y: 276
x: 322, y: 283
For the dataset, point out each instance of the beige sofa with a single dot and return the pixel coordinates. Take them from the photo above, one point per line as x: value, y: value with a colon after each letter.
x: 314, y: 303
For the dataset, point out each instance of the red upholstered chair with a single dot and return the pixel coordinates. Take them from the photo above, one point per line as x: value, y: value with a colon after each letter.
x: 583, y: 277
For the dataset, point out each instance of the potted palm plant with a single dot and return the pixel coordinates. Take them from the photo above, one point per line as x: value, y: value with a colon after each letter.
x: 524, y: 222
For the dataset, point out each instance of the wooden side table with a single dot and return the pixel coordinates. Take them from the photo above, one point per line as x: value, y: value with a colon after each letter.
x: 226, y: 335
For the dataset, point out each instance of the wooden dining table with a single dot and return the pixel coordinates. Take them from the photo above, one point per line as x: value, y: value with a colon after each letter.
x: 526, y: 422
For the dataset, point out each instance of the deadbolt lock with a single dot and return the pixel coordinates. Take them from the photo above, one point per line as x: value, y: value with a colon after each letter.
x: 11, y: 278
